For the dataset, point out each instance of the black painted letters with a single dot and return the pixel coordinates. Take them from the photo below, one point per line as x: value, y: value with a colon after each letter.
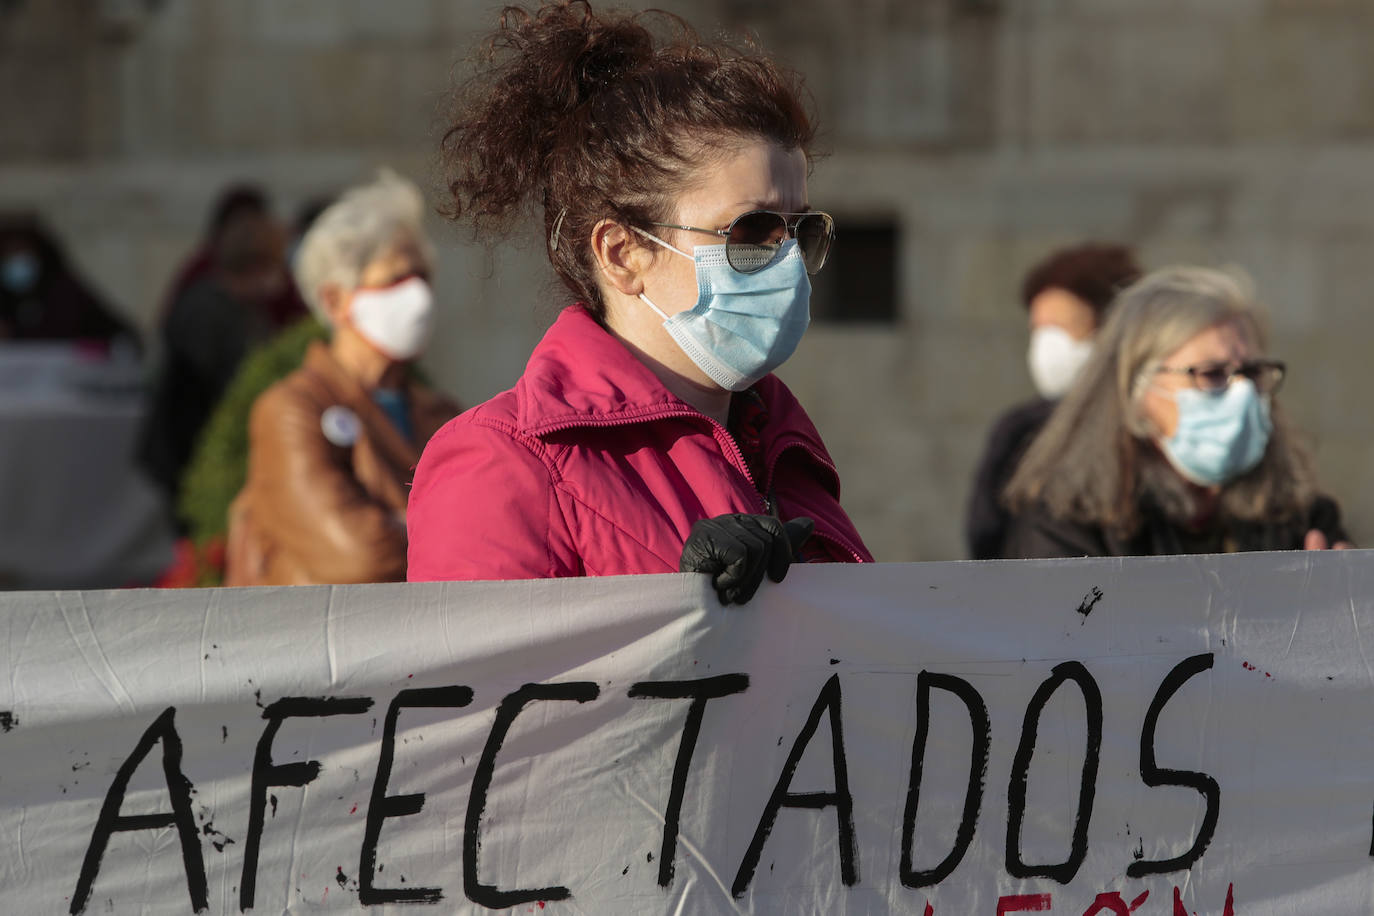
x: 383, y: 806
x: 698, y: 692
x: 828, y: 701
x: 978, y: 768
x: 1020, y: 770
x: 486, y: 894
x: 111, y: 821
x: 266, y: 773
x: 1153, y: 775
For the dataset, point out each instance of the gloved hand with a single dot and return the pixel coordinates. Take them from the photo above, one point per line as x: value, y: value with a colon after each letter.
x: 736, y: 550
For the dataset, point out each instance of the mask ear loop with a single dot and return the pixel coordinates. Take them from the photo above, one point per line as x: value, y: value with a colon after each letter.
x: 670, y: 247
x: 647, y: 301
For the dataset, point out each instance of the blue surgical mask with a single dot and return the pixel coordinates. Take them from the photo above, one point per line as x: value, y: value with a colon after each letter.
x: 19, y: 273
x: 1221, y: 435
x: 743, y: 326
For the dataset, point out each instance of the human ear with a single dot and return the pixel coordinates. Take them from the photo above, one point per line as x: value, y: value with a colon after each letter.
x: 1155, y: 412
x: 621, y: 256
x: 334, y: 303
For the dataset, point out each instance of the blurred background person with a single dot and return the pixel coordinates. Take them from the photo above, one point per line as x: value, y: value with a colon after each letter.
x: 242, y: 202
x: 333, y: 445
x: 1066, y: 297
x: 76, y: 511
x: 43, y: 298
x: 304, y: 218
x: 218, y: 468
x: 233, y: 202
x: 1171, y: 440
x: 207, y: 331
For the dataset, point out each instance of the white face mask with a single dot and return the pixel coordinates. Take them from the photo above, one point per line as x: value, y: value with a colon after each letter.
x: 1055, y: 359
x: 395, y: 319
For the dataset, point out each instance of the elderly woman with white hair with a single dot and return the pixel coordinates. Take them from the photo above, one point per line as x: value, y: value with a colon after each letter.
x: 1171, y: 440
x: 333, y: 445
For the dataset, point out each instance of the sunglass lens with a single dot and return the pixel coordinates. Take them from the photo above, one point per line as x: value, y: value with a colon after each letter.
x: 759, y: 227
x: 749, y: 258
x: 754, y: 240
x: 814, y: 233
x: 1214, y: 379
x: 756, y: 236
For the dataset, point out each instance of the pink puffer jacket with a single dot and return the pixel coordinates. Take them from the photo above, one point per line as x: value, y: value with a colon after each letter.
x: 590, y: 467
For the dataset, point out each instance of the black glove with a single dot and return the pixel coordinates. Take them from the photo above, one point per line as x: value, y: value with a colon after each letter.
x: 736, y: 550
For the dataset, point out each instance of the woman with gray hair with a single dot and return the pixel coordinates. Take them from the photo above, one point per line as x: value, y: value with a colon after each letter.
x: 1170, y: 440
x: 333, y: 445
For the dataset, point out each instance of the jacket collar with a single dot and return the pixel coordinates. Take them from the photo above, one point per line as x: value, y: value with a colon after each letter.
x: 579, y: 375
x: 345, y: 389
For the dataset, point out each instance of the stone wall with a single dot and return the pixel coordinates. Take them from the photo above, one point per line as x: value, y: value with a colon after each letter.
x: 1208, y: 131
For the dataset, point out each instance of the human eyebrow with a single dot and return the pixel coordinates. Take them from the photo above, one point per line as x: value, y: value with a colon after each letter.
x: 773, y: 205
x: 735, y: 211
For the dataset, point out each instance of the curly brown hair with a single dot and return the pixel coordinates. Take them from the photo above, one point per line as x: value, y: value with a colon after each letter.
x: 607, y: 115
x: 1094, y: 272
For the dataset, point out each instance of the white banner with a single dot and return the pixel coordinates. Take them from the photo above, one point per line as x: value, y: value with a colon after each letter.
x: 1152, y: 736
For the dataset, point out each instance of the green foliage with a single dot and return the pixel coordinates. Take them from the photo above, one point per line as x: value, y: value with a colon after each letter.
x: 219, y: 466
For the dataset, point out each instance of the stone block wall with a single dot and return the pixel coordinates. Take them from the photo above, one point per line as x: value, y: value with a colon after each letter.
x: 991, y: 131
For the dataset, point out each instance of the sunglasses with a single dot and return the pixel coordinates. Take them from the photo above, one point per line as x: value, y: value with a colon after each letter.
x: 1266, y: 374
x: 753, y: 238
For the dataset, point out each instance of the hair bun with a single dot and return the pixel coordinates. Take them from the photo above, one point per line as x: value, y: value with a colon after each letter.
x: 594, y: 116
x: 602, y: 63
x: 565, y: 54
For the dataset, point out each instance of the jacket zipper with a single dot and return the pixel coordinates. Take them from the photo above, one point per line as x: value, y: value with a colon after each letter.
x: 819, y: 459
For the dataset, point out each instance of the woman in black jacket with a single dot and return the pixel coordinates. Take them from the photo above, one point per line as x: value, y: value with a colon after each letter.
x: 1171, y: 440
x: 1066, y: 297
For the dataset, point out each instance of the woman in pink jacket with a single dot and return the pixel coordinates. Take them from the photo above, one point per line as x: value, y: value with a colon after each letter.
x: 647, y: 433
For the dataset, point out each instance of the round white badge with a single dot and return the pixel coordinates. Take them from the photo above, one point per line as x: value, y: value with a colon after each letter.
x: 340, y: 425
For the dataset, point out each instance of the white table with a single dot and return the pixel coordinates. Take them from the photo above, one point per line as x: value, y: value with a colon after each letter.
x: 74, y: 510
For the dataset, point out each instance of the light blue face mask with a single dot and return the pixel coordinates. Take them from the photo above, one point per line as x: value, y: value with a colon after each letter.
x: 19, y: 273
x: 1220, y: 435
x: 743, y: 326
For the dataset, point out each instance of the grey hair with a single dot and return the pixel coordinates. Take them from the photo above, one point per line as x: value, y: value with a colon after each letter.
x: 1095, y: 462
x: 362, y: 224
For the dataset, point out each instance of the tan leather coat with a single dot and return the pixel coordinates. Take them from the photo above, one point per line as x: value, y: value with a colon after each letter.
x: 314, y: 511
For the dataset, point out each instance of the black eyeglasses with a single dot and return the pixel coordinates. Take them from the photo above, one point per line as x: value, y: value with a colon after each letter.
x: 753, y: 238
x: 1267, y: 374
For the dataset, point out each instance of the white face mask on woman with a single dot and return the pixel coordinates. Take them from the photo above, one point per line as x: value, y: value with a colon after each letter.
x: 396, y: 319
x: 1055, y: 359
